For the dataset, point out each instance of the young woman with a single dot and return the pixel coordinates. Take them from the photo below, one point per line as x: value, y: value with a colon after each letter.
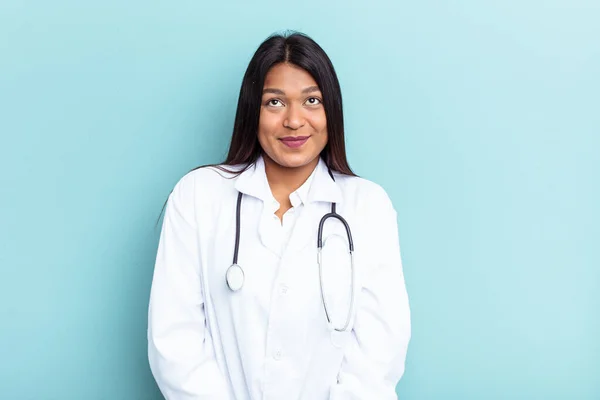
x: 278, y: 273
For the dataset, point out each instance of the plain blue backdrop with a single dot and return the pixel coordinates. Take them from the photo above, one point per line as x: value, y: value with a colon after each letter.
x: 481, y: 119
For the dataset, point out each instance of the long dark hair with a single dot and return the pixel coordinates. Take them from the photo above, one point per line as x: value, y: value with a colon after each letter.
x: 298, y: 49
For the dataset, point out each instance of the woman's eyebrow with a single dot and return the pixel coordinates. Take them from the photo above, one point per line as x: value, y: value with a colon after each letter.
x: 274, y: 91
x: 280, y: 92
x: 311, y: 89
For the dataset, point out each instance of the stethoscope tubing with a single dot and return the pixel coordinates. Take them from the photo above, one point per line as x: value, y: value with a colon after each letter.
x: 332, y: 214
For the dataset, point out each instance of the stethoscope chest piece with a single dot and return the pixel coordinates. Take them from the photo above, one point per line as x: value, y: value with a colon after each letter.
x: 235, y: 277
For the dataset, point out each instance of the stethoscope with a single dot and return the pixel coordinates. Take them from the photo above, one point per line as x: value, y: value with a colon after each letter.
x: 235, y: 274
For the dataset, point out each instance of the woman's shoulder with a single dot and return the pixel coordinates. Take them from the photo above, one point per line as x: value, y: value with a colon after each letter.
x: 362, y: 189
x: 208, y: 180
x: 214, y: 173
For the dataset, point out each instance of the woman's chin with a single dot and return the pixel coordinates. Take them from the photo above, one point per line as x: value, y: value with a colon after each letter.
x: 295, y: 160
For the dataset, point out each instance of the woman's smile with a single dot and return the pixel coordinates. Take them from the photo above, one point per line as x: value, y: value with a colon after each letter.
x: 294, y: 142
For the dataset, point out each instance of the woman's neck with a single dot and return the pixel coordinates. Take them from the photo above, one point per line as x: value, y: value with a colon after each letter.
x: 284, y: 181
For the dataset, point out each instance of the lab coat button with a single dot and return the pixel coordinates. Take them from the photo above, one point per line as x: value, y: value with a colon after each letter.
x: 283, y: 289
x: 277, y: 355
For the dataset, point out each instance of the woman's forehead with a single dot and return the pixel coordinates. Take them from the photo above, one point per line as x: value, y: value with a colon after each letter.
x: 289, y: 77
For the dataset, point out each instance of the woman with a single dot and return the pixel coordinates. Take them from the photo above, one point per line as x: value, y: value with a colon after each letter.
x: 291, y: 322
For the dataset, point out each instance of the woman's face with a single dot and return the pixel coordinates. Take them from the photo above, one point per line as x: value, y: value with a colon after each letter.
x: 292, y: 128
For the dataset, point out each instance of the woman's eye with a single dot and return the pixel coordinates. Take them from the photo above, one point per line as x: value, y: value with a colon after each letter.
x: 313, y: 101
x: 274, y: 103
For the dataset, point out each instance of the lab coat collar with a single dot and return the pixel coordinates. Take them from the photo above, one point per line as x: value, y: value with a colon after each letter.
x: 253, y: 182
x: 323, y: 187
x: 300, y: 196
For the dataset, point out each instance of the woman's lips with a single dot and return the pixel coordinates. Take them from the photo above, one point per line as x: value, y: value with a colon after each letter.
x: 294, y: 141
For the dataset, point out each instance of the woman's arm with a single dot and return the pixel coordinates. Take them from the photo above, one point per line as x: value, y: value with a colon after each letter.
x: 180, y: 347
x: 375, y: 357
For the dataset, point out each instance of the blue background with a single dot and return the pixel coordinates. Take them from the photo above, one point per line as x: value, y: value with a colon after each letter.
x: 481, y: 119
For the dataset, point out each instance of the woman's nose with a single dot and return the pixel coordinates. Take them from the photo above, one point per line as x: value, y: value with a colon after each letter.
x: 293, y: 119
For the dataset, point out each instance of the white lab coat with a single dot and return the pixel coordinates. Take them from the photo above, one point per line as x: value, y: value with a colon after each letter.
x: 271, y: 340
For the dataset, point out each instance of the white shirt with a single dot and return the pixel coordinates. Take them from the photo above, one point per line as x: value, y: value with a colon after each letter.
x: 282, y: 229
x: 271, y: 339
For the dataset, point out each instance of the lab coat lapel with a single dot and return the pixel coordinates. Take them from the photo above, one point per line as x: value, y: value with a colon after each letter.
x: 253, y: 182
x: 323, y: 191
